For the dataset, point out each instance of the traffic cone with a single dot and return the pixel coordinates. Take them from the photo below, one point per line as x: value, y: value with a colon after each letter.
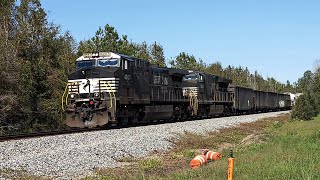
x: 211, y: 155
x: 198, y: 161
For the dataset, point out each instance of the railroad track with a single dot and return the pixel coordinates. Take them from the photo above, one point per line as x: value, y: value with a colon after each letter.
x: 10, y: 137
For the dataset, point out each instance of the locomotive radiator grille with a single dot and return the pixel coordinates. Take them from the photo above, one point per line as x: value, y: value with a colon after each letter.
x: 73, y: 87
x: 187, y: 90
x: 83, y: 86
x: 107, y: 85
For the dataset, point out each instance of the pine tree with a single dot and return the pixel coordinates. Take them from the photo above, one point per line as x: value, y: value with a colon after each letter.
x: 157, y: 54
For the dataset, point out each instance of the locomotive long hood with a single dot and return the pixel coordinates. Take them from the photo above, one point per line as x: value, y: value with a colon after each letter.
x: 92, y: 72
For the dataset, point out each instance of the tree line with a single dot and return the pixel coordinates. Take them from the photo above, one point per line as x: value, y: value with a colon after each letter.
x: 108, y: 39
x: 36, y: 57
x: 308, y: 104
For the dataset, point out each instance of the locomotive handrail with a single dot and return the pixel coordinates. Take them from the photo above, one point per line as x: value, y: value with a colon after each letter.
x: 62, y: 98
x: 114, y: 96
x: 109, y: 91
x: 66, y: 100
x: 193, y: 99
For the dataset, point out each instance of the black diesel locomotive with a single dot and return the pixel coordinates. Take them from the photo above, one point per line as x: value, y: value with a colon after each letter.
x: 109, y: 88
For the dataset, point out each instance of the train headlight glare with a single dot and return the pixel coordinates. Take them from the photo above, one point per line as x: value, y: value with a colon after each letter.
x: 96, y: 94
x: 72, y: 96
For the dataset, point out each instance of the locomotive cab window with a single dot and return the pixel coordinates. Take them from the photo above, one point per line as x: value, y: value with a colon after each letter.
x: 125, y: 64
x: 108, y: 62
x: 83, y: 64
x: 190, y: 77
x: 201, y: 78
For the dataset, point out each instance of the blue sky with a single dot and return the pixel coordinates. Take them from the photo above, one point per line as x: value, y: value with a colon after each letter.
x: 280, y: 39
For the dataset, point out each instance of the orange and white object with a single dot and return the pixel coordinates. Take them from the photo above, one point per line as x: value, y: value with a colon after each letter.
x: 198, y: 161
x: 213, y: 156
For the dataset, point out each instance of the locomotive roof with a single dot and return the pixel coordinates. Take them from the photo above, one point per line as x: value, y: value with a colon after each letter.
x: 88, y: 56
x: 237, y: 86
x: 224, y: 80
x: 177, y: 72
x: 171, y: 71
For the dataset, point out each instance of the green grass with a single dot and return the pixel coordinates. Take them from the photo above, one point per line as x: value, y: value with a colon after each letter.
x: 18, y: 174
x: 150, y: 164
x: 292, y: 152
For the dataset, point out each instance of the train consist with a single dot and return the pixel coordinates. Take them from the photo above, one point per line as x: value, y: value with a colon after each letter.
x: 109, y: 88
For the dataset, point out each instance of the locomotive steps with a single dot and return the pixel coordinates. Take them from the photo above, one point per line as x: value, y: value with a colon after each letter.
x: 78, y: 155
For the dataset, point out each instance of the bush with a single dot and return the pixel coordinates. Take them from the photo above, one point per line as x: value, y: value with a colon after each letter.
x: 306, y: 107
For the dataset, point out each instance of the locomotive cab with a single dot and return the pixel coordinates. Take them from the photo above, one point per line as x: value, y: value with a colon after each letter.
x: 193, y: 83
x: 209, y: 91
x: 92, y: 92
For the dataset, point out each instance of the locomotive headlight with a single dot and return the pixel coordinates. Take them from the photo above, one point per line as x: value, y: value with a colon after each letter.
x: 72, y: 96
x: 96, y: 94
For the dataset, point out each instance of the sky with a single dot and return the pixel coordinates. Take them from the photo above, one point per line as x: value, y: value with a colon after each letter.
x: 279, y: 39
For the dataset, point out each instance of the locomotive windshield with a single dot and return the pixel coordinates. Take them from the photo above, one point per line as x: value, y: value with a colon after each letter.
x: 113, y: 62
x: 190, y: 77
x: 82, y: 64
x: 108, y: 62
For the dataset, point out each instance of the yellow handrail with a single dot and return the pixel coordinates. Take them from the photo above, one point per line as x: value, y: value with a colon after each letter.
x: 67, y: 95
x: 109, y: 94
x: 114, y: 96
x: 193, y: 99
x: 64, y: 93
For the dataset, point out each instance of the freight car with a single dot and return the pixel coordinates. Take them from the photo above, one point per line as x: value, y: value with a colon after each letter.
x: 284, y: 101
x: 110, y: 88
x: 243, y: 99
x: 272, y: 101
x: 260, y: 101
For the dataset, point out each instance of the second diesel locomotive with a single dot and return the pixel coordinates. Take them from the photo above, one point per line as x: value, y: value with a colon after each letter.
x: 110, y: 88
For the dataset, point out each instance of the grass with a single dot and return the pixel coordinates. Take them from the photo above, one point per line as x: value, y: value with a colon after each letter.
x: 150, y: 164
x: 18, y: 174
x: 141, y: 170
x: 292, y: 152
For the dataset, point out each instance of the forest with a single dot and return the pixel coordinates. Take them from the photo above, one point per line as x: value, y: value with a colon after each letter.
x: 36, y: 57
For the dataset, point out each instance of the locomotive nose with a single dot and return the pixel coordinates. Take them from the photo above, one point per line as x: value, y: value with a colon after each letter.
x: 93, y: 103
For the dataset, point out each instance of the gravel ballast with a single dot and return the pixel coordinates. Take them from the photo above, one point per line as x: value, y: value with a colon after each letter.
x: 74, y: 155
